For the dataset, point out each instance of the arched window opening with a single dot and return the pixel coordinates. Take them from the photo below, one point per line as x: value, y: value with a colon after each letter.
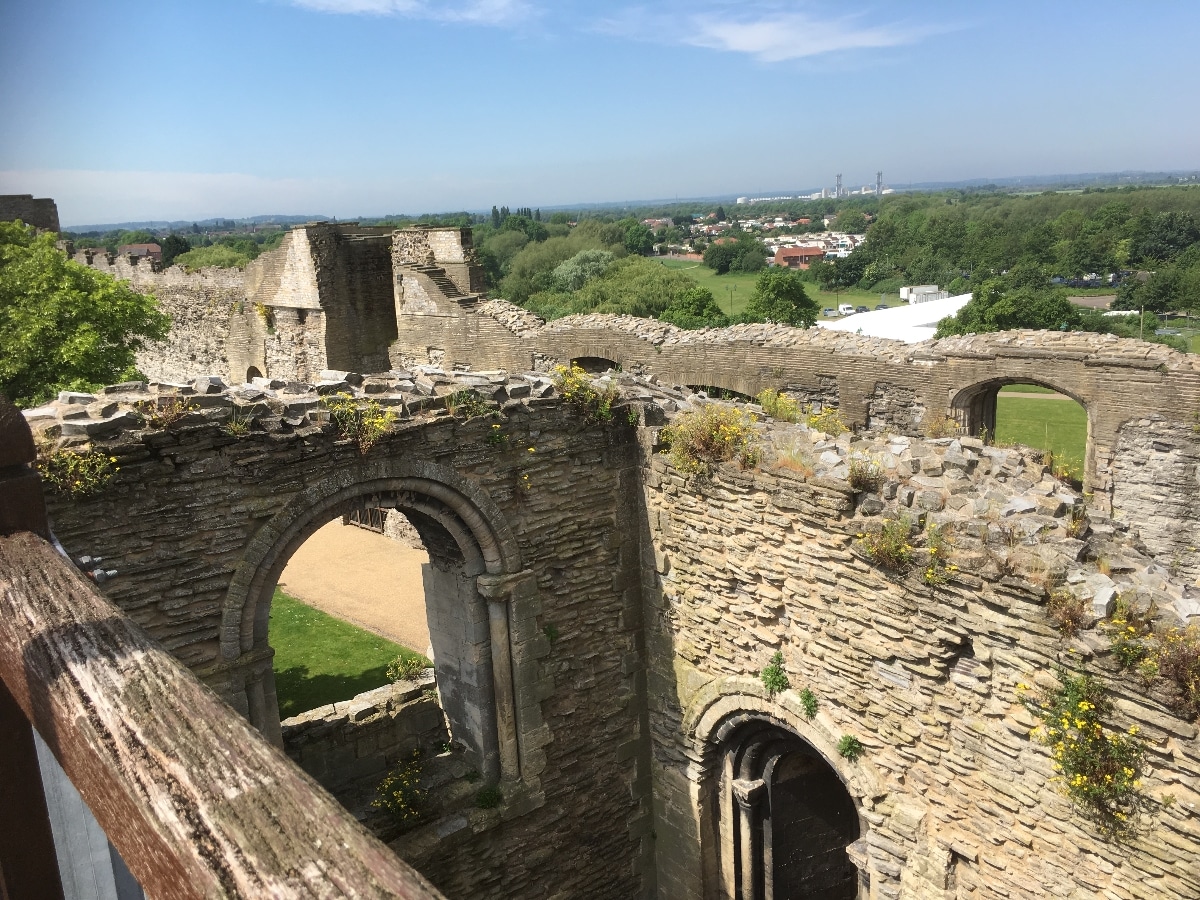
x: 252, y: 373
x: 786, y: 820
x: 1008, y: 411
x: 595, y: 365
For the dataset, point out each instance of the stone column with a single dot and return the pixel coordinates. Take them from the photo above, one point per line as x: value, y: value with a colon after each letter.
x: 748, y: 793
x: 498, y: 589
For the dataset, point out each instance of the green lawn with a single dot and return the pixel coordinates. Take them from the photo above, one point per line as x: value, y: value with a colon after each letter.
x: 1056, y: 425
x: 739, y: 287
x: 320, y: 659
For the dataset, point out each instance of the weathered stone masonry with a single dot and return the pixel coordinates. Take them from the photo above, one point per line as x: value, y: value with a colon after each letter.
x: 199, y: 523
x: 666, y: 596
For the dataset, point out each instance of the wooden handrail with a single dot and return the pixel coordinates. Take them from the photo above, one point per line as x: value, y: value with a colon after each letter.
x: 195, y: 800
x: 197, y: 803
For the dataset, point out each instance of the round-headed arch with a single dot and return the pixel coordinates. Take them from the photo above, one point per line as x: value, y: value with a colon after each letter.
x: 459, y: 505
x: 974, y: 407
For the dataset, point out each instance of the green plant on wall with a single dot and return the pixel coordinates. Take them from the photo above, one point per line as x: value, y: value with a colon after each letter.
x: 400, y: 794
x: 849, y: 747
x: 468, y: 404
x: 77, y: 474
x: 774, y: 678
x: 1098, y: 768
x: 593, y: 404
x: 699, y: 441
x: 889, y: 546
x: 809, y: 701
x: 363, y: 422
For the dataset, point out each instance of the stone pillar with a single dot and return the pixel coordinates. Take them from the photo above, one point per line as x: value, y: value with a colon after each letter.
x: 749, y: 793
x: 499, y: 592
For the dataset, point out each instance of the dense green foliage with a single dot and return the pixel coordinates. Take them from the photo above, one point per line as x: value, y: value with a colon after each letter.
x: 64, y: 326
x: 779, y: 296
x: 743, y: 253
x: 220, y: 255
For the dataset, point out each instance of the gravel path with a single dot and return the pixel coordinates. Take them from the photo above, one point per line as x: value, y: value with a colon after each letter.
x: 364, y: 578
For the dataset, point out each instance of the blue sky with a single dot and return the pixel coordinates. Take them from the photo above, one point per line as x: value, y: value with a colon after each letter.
x: 131, y: 110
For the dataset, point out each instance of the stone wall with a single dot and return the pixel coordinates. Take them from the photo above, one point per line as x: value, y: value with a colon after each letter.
x: 200, y: 519
x: 954, y: 798
x: 40, y: 212
x: 200, y: 304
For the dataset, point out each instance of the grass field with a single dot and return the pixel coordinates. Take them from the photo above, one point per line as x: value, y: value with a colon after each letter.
x: 1056, y: 425
x: 738, y: 288
x: 320, y: 659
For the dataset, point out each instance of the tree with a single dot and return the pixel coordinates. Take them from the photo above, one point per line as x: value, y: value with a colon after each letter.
x: 581, y: 268
x: 64, y: 326
x: 172, y: 246
x: 720, y: 257
x: 996, y: 306
x: 779, y: 296
x: 694, y: 308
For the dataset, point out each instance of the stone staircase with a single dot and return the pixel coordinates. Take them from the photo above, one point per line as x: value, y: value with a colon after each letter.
x: 445, y: 284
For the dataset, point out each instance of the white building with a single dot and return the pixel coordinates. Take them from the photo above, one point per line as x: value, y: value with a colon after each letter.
x: 912, y: 323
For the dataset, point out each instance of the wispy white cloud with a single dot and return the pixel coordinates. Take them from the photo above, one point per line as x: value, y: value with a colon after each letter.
x: 473, y: 12
x: 770, y: 32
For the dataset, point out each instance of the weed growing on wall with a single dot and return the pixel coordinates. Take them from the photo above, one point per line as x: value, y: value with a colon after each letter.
x: 160, y: 414
x: 780, y: 406
x: 1130, y: 634
x: 1067, y: 611
x: 1178, y: 659
x: 468, y: 404
x: 1099, y: 768
x: 496, y: 436
x: 889, y: 546
x: 942, y: 426
x: 828, y: 420
x: 78, y: 474
x: 865, y: 475
x: 939, y: 569
x: 701, y: 440
x: 238, y: 426
x: 400, y: 794
x: 809, y: 701
x: 774, y: 678
x: 489, y: 797
x: 576, y: 387
x: 363, y: 422
x: 851, y: 748
x: 407, y: 667
x: 794, y: 460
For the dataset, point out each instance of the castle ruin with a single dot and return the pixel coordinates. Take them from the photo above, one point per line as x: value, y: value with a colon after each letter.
x: 603, y: 618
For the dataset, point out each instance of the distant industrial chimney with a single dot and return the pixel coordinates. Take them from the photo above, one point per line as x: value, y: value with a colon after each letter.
x: 837, y: 191
x: 879, y: 184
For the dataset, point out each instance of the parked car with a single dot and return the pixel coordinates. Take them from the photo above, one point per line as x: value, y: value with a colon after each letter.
x: 845, y: 309
x: 862, y: 309
x: 829, y: 312
x: 881, y: 306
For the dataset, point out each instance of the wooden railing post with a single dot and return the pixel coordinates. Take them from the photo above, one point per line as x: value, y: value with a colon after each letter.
x: 28, y: 863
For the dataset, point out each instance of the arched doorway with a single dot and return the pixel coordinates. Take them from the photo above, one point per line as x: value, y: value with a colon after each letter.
x: 252, y: 373
x: 785, y: 819
x: 1034, y: 413
x: 469, y: 591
